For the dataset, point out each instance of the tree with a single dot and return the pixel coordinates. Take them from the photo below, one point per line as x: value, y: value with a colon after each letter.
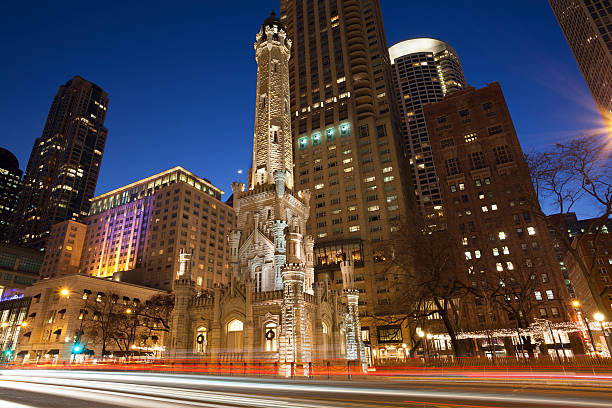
x: 574, y: 172
x: 422, y: 265
x: 109, y: 319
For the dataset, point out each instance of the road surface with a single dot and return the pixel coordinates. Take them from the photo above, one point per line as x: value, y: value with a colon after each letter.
x: 100, y: 389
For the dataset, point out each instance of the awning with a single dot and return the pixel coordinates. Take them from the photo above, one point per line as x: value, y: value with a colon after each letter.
x: 89, y: 352
x: 58, y: 331
x: 32, y: 314
x: 62, y: 311
x: 87, y: 291
x: 53, y: 352
x: 22, y: 353
x: 28, y: 334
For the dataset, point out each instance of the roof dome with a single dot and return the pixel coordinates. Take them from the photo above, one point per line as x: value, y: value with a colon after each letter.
x: 8, y: 161
x: 272, y: 21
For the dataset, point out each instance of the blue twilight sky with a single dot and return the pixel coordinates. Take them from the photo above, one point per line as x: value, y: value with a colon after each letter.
x: 181, y: 75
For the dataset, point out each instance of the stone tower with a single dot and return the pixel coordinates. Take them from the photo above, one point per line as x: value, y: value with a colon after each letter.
x: 184, y: 290
x: 272, y: 142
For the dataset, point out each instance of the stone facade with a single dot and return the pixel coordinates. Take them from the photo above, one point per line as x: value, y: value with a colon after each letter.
x: 272, y: 309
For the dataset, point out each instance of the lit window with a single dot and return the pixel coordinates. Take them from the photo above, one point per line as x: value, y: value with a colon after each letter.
x: 369, y: 179
x: 470, y: 137
x: 538, y: 295
x: 499, y: 266
x: 464, y: 240
x: 347, y: 160
x: 484, y: 208
x: 461, y: 186
x: 531, y: 231
x: 510, y: 266
x: 506, y: 250
x: 348, y: 169
x: 468, y: 255
x: 373, y: 208
x: 387, y: 169
x: 494, y: 207
x: 495, y: 252
x: 477, y: 254
x: 502, y: 235
x: 354, y: 228
x: 319, y: 186
x: 549, y: 294
x: 388, y: 178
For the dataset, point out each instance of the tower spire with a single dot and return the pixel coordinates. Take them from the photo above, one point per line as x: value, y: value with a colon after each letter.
x: 272, y: 143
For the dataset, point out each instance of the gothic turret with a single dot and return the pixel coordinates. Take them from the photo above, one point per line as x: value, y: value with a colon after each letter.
x: 272, y: 143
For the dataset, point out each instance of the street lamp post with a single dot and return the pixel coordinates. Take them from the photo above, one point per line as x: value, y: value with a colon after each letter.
x: 600, y: 318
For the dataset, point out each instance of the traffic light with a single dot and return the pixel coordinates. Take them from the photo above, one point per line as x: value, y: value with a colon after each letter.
x: 77, y: 348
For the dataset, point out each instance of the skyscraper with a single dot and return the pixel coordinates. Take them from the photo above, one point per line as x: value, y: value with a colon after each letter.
x: 424, y: 71
x: 489, y: 198
x: 346, y: 136
x: 588, y: 30
x: 63, y: 168
x: 10, y: 179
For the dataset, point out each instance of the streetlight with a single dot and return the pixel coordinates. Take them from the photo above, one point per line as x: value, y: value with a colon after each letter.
x: 600, y: 318
x: 64, y: 292
x: 128, y: 311
x: 576, y: 303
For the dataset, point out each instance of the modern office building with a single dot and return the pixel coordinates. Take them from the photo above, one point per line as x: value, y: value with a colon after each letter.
x: 346, y: 136
x: 19, y: 268
x: 135, y: 233
x: 587, y: 27
x: 489, y: 198
x: 64, y: 164
x: 424, y: 71
x: 10, y: 180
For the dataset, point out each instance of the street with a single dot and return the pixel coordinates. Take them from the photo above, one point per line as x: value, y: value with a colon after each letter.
x: 97, y: 389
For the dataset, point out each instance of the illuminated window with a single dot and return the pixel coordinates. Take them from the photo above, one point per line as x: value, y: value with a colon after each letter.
x: 499, y: 266
x: 502, y: 235
x: 550, y: 295
x: 470, y: 137
x: 302, y: 143
x: 468, y: 255
x: 538, y: 295
x: 270, y: 337
x: 531, y: 231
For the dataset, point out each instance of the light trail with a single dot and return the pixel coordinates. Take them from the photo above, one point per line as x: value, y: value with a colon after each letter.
x: 151, y: 390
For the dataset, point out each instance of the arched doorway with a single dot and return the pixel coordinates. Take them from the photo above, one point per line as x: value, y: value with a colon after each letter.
x: 235, y: 329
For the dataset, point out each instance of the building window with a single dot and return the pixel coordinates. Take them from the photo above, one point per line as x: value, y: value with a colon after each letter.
x: 452, y: 166
x: 201, y: 340
x: 389, y: 334
x: 538, y: 295
x: 270, y: 337
x: 478, y: 160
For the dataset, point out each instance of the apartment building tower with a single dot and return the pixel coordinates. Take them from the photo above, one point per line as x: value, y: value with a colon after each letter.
x: 62, y: 172
x: 346, y: 135
x: 489, y: 201
x: 587, y: 27
x: 424, y: 71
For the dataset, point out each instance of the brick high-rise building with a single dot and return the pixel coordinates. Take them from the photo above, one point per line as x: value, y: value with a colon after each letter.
x: 488, y: 197
x: 346, y: 136
x: 424, y: 71
x: 135, y: 233
x: 64, y: 164
x: 588, y: 30
x: 10, y: 180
